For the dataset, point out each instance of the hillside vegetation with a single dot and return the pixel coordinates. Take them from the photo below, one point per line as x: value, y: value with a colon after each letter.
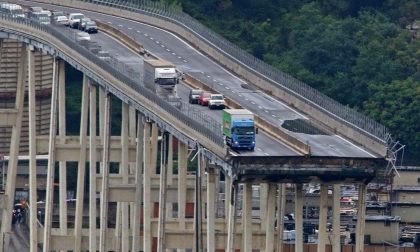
x: 357, y: 52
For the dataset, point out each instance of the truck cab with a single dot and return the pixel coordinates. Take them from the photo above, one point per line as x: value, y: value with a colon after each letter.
x: 239, y: 129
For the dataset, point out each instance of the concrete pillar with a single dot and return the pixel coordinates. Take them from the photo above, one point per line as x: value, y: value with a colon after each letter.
x: 263, y: 204
x: 228, y: 191
x: 6, y: 223
x: 323, y: 210
x: 154, y: 148
x: 170, y: 171
x: 92, y: 170
x: 62, y: 132
x: 299, y: 218
x: 211, y: 209
x: 162, y: 192
x: 247, y: 216
x: 81, y: 166
x: 105, y: 171
x: 33, y: 234
x: 124, y: 171
x: 182, y: 182
x: 231, y: 215
x: 139, y: 183
x: 147, y: 205
x: 336, y: 244
x: 197, y: 203
x: 361, y: 215
x: 270, y: 218
x: 51, y: 168
x: 281, y: 208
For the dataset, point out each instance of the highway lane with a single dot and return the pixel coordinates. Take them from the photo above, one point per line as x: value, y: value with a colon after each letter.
x: 168, y: 46
x: 266, y: 146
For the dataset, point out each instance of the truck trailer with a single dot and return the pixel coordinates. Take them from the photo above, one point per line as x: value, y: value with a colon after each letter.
x: 239, y: 129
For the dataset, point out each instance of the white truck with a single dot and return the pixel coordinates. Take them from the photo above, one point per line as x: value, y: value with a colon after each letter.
x: 161, y: 77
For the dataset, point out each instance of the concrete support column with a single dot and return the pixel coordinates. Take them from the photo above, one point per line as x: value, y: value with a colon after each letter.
x: 197, y: 203
x: 281, y: 208
x: 247, y: 217
x: 139, y: 183
x: 62, y: 132
x: 147, y: 205
x: 162, y: 191
x: 263, y: 204
x: 336, y: 244
x: 51, y: 169
x: 228, y: 191
x: 299, y: 218
x: 361, y: 215
x: 270, y: 218
x: 92, y: 170
x: 182, y: 182
x: 323, y: 210
x: 211, y: 209
x: 231, y: 215
x: 154, y: 148
x: 33, y: 234
x: 170, y: 173
x: 124, y: 171
x: 105, y: 171
x: 6, y: 223
x: 81, y: 166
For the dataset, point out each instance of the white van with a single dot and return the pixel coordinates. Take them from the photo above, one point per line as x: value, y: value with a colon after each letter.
x: 14, y: 10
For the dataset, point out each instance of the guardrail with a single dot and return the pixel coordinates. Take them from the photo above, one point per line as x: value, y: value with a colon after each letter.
x: 275, y: 77
x: 190, y: 118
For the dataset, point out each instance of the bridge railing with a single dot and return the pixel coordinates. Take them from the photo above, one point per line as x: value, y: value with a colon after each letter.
x: 190, y: 116
x: 274, y: 76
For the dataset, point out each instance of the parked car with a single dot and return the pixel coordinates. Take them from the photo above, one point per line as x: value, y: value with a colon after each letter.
x: 62, y: 20
x: 47, y: 12
x: 41, y: 17
x: 82, y: 36
x: 56, y: 14
x: 74, y: 19
x: 91, y: 27
x: 83, y: 23
x: 194, y: 95
x: 204, y: 98
x: 35, y: 9
x: 217, y: 101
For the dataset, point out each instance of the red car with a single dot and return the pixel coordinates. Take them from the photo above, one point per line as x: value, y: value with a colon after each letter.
x: 204, y: 98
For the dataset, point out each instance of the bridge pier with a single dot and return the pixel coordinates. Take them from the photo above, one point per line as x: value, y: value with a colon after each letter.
x: 247, y: 217
x: 92, y: 170
x: 323, y: 210
x: 270, y: 218
x: 211, y: 206
x: 33, y: 234
x: 361, y: 215
x: 62, y: 134
x: 281, y: 208
x: 147, y: 170
x: 299, y: 218
x: 6, y: 223
x: 336, y: 246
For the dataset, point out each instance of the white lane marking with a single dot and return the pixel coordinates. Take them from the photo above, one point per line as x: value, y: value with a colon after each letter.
x: 221, y: 84
x: 185, y: 61
x: 208, y: 76
x: 253, y: 103
x: 109, y: 22
x: 214, y: 80
x: 240, y: 95
x: 173, y: 53
x: 370, y: 154
x: 227, y: 87
x: 130, y: 28
x: 259, y: 107
x: 265, y: 153
x: 168, y: 50
x: 138, y: 31
x: 152, y: 38
x: 274, y: 116
x: 179, y: 57
x: 259, y: 149
x: 157, y: 42
x: 147, y: 35
x: 233, y: 91
x: 163, y: 46
x: 266, y: 111
x: 120, y: 25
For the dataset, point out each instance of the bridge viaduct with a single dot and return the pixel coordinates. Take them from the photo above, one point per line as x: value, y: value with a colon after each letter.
x: 153, y: 197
